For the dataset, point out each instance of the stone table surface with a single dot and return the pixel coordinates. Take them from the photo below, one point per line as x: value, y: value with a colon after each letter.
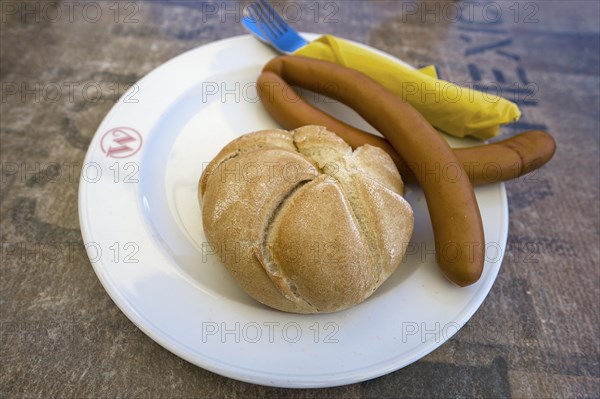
x: 63, y: 66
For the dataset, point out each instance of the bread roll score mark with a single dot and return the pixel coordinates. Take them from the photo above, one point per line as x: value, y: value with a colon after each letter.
x: 234, y: 214
x: 263, y: 253
x: 333, y: 161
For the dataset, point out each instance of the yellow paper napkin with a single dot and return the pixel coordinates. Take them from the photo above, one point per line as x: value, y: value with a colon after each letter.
x: 456, y: 110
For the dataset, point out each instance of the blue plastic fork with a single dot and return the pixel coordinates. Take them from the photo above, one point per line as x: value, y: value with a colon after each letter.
x: 267, y: 25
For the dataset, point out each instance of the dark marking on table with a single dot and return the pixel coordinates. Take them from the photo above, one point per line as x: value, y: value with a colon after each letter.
x: 31, y: 228
x: 179, y: 32
x: 73, y: 135
x: 529, y: 190
x: 526, y: 249
x: 421, y: 380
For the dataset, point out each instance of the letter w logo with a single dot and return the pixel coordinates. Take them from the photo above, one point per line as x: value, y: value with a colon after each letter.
x: 121, y: 142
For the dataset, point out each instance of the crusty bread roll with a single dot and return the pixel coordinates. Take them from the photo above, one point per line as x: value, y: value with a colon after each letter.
x: 303, y: 223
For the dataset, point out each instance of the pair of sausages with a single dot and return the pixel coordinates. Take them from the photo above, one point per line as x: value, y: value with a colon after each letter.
x: 484, y: 164
x: 420, y: 153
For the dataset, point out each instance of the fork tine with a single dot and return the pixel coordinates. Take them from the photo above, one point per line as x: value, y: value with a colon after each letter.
x: 265, y: 21
x: 273, y: 16
x: 251, y: 13
x: 261, y: 22
x: 280, y: 19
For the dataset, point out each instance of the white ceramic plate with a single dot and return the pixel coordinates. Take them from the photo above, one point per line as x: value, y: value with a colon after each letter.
x: 142, y: 227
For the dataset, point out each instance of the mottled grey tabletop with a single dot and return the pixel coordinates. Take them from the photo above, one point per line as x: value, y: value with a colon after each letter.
x: 63, y: 66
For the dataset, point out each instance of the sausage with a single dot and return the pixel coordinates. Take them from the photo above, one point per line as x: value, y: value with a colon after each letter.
x: 484, y: 164
x: 507, y: 159
x: 455, y: 216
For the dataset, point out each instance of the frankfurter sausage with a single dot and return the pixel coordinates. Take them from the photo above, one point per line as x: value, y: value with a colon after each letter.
x: 484, y: 164
x: 455, y: 216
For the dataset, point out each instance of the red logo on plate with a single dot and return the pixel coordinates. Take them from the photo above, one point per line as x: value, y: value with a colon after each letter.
x: 121, y: 142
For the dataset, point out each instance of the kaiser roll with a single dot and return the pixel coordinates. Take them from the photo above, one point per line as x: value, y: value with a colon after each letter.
x: 303, y: 223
